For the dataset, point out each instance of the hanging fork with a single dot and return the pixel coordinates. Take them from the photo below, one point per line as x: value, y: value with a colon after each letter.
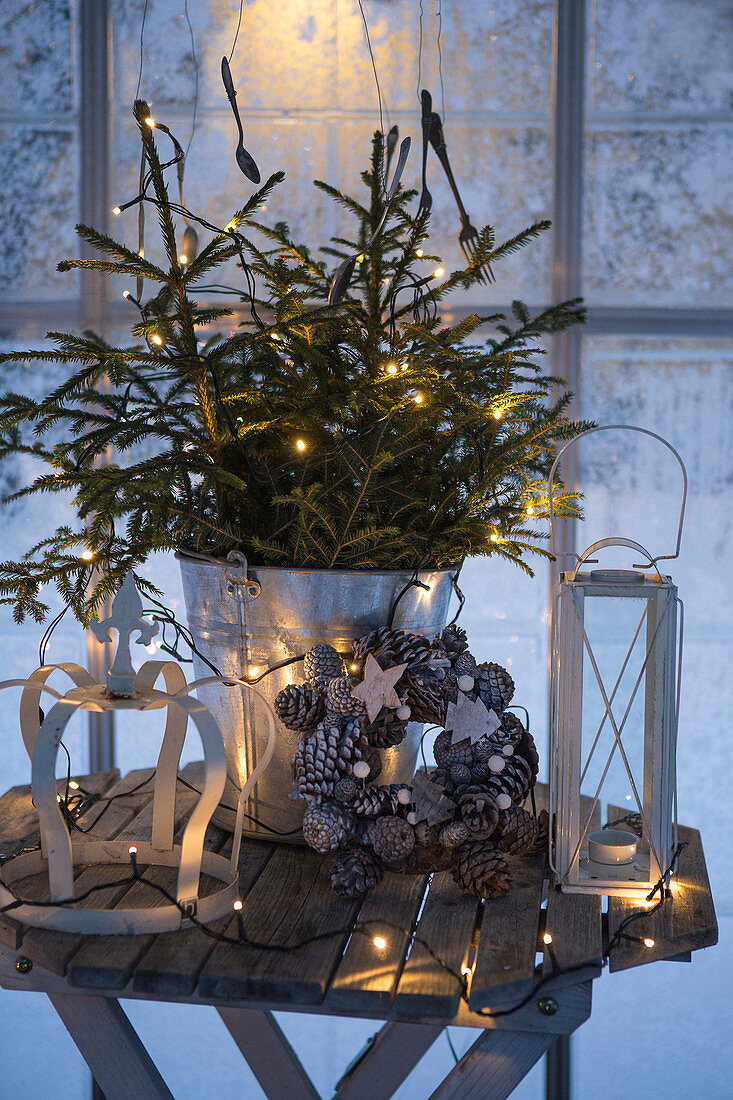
x: 469, y: 236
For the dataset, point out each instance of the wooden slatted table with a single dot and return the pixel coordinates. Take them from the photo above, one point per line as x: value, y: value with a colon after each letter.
x: 288, y: 899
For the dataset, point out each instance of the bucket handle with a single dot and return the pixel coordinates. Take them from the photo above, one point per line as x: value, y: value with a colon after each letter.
x: 237, y: 581
x: 626, y: 428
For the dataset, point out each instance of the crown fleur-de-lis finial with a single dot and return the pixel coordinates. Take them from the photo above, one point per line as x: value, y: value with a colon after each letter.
x: 126, y: 618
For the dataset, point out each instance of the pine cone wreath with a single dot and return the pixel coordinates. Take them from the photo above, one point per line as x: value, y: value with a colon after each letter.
x: 299, y: 707
x: 386, y: 731
x: 447, y: 754
x: 494, y: 686
x: 391, y: 838
x: 355, y: 872
x: 519, y: 833
x: 321, y: 664
x: 340, y: 701
x: 479, y: 811
x: 326, y: 826
x: 481, y: 870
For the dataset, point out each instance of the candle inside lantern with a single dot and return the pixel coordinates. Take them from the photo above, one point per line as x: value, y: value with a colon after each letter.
x: 612, y: 846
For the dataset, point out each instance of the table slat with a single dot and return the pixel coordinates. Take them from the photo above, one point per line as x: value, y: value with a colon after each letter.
x: 575, y: 923
x: 367, y: 977
x: 291, y: 900
x: 446, y: 924
x: 508, y: 942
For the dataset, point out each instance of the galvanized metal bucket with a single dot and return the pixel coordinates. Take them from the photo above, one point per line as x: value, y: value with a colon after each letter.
x: 250, y: 618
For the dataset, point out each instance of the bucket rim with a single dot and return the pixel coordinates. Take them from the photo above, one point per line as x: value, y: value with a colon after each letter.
x: 219, y: 563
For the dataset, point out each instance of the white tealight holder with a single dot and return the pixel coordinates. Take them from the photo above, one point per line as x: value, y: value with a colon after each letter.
x: 612, y: 847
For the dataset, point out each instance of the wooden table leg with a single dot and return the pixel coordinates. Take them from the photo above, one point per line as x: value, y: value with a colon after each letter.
x: 493, y: 1067
x: 268, y: 1054
x: 557, y: 1070
x: 387, y: 1060
x: 111, y: 1047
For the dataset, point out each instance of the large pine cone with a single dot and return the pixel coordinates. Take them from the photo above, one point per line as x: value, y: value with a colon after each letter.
x: 479, y: 811
x: 391, y: 838
x: 447, y: 754
x: 481, y: 869
x: 426, y: 694
x: 355, y: 872
x: 299, y: 707
x: 521, y: 834
x: 386, y: 730
x: 494, y: 686
x: 455, y: 640
x: 340, y: 701
x: 327, y: 826
x: 325, y: 756
x: 392, y: 647
x: 322, y: 663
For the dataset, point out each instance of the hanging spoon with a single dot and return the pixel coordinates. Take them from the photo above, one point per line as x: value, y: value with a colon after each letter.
x: 244, y: 159
x: 342, y: 278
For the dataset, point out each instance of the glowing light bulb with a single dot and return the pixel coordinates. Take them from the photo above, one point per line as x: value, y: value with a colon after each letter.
x: 530, y: 511
x: 87, y: 555
x: 391, y: 368
x: 360, y: 258
x: 132, y: 850
x: 418, y: 399
x: 150, y: 122
x: 379, y: 942
x: 354, y: 668
x: 497, y: 414
x: 419, y: 252
x: 547, y: 938
x: 439, y: 272
x: 182, y: 259
x: 73, y: 785
x: 466, y: 971
x: 648, y: 942
x: 300, y: 444
x: 158, y: 340
x: 116, y: 210
x: 126, y: 294
x: 494, y: 537
x: 254, y: 671
x: 237, y: 905
x: 141, y: 253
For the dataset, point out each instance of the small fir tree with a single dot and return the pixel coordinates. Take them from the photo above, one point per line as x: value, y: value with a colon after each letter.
x: 365, y: 435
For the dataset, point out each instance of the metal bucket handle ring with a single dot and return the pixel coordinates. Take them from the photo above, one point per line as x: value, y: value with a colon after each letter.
x: 238, y: 583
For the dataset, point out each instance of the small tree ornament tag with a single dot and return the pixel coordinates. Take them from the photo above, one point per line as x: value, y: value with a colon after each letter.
x: 377, y: 689
x: 431, y: 804
x: 470, y: 718
x: 126, y: 618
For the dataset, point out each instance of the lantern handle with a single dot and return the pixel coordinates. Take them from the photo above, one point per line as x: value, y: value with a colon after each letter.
x: 628, y: 428
x: 582, y: 558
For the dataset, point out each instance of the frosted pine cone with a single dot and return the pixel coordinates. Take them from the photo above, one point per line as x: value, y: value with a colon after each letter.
x: 519, y: 833
x: 479, y: 811
x: 340, y: 701
x: 355, y: 872
x: 494, y: 686
x: 373, y: 801
x: 447, y: 754
x: 391, y: 838
x: 480, y: 771
x: 455, y: 640
x: 346, y: 790
x: 326, y: 826
x: 386, y: 731
x: 481, y: 870
x: 510, y: 732
x: 425, y: 695
x: 465, y: 664
x: 392, y: 647
x: 426, y: 835
x: 321, y: 664
x: 516, y: 778
x: 323, y: 758
x: 299, y: 707
x: 460, y: 774
x: 453, y: 835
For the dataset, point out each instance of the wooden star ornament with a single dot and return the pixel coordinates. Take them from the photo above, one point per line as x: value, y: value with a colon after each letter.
x: 377, y: 688
x: 470, y: 718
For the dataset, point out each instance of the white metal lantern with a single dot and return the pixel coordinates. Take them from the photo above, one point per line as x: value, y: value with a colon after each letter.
x: 60, y: 851
x: 624, y: 722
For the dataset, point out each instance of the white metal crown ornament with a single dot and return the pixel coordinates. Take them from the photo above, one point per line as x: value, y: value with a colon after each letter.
x: 606, y: 862
x: 126, y: 690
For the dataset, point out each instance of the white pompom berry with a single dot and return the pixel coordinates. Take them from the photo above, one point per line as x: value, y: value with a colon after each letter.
x: 465, y: 683
x: 403, y: 713
x: 508, y: 750
x: 412, y: 818
x: 496, y: 763
x: 404, y: 796
x: 503, y: 801
x: 361, y: 769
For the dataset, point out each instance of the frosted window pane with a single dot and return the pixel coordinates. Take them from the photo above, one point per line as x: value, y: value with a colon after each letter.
x: 658, y: 217
x: 38, y: 168
x: 661, y: 55
x: 682, y: 389
x: 36, y: 55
